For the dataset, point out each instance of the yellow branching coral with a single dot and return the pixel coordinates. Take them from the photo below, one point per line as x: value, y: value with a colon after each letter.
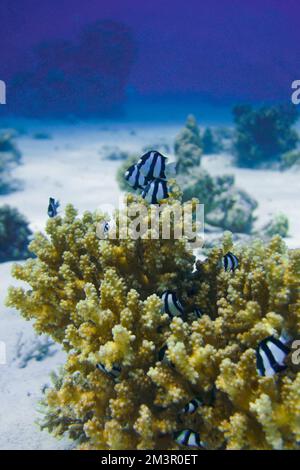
x: 101, y: 300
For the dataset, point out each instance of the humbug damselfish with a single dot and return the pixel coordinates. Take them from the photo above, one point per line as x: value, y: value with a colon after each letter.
x: 270, y: 356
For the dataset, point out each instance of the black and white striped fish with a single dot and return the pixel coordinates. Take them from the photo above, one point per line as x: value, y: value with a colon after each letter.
x: 192, y: 406
x: 113, y: 373
x: 198, y: 312
x: 102, y: 229
x: 212, y: 395
x: 230, y: 262
x: 52, y: 207
x: 135, y: 177
x: 156, y: 191
x: 154, y: 165
x: 171, y: 304
x: 162, y: 357
x: 270, y: 356
x: 162, y: 353
x: 105, y: 227
x: 189, y: 438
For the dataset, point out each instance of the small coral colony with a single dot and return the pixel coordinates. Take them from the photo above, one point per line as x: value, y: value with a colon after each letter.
x: 160, y: 355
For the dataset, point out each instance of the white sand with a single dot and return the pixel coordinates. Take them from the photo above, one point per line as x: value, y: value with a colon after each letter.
x: 70, y: 168
x: 20, y: 389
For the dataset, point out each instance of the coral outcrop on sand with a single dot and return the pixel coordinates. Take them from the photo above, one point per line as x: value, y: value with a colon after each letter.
x: 14, y: 235
x: 101, y: 300
x: 81, y: 76
x: 211, y: 141
x: 290, y: 160
x: 279, y: 225
x: 226, y: 205
x: 10, y: 156
x: 188, y: 146
x: 263, y: 135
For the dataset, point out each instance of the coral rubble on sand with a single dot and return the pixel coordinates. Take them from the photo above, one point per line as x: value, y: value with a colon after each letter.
x: 101, y: 300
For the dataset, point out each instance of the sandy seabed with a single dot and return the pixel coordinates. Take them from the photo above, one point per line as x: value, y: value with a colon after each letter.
x: 70, y: 166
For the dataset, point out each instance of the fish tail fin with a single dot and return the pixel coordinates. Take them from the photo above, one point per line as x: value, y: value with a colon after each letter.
x: 285, y: 337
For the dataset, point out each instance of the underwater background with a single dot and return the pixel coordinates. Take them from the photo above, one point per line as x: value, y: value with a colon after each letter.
x: 90, y: 87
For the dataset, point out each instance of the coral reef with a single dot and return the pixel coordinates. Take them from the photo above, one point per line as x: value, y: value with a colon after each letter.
x: 211, y: 142
x: 290, y: 160
x: 279, y: 225
x: 81, y: 77
x: 263, y: 135
x: 188, y: 146
x: 233, y: 209
x: 7, y: 144
x: 101, y: 300
x: 10, y: 156
x: 226, y: 205
x: 14, y: 235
